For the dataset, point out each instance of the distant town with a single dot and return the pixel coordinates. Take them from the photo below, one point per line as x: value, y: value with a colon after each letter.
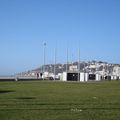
x: 103, y: 70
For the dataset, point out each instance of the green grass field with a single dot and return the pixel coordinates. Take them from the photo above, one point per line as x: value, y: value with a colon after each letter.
x: 45, y: 100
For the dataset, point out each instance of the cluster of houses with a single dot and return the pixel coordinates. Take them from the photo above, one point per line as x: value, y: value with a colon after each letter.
x: 89, y: 71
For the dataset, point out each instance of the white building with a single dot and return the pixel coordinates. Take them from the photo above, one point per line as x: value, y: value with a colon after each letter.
x: 73, y: 68
x: 116, y: 71
x: 75, y: 76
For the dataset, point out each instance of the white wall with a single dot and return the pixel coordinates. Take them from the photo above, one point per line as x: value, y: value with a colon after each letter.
x: 86, y: 77
x: 98, y: 77
x: 82, y: 77
x: 64, y: 76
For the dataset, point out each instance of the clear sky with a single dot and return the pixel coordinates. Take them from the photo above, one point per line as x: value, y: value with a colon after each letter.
x: 92, y: 25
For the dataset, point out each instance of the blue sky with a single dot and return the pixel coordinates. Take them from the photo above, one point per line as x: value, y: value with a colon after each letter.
x: 92, y: 25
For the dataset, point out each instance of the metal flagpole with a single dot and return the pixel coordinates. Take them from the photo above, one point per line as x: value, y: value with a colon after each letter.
x: 107, y: 71
x: 67, y: 62
x: 67, y: 65
x: 79, y: 64
x: 55, y: 65
x: 44, y: 61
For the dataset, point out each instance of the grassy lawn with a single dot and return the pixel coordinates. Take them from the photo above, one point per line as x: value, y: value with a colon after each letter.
x: 44, y: 100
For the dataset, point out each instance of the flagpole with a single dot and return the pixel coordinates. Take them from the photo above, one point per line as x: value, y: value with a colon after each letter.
x: 44, y: 61
x: 79, y: 64
x: 55, y: 65
x: 67, y: 62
